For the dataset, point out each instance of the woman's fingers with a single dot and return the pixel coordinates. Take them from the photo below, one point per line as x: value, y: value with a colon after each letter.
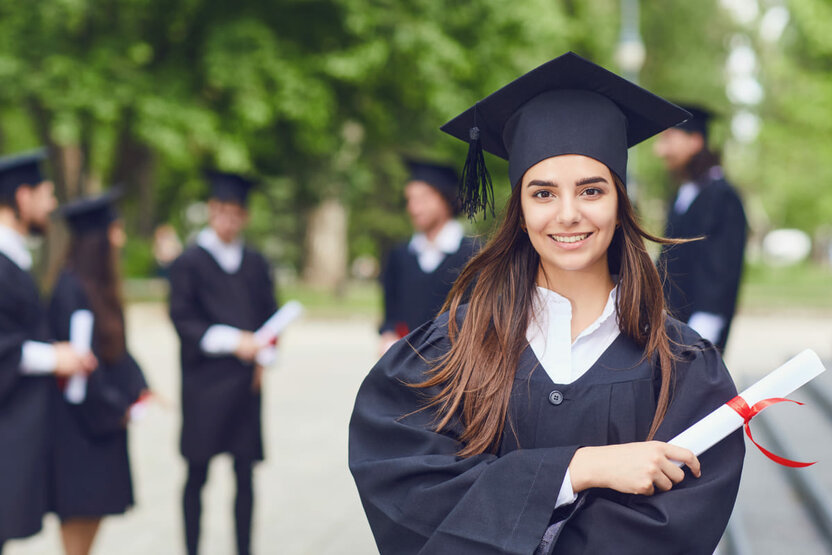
x: 685, y: 456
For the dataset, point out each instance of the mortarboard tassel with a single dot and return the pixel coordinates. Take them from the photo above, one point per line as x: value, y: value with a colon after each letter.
x: 475, y: 190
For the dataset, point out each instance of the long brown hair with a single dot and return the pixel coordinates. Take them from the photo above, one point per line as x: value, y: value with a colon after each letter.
x: 93, y: 259
x: 475, y: 376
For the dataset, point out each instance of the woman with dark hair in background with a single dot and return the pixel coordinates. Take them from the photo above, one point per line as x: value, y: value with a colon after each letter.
x: 90, y: 470
x: 532, y: 416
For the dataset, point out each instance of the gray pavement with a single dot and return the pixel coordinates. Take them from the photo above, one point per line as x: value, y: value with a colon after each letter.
x: 306, y: 502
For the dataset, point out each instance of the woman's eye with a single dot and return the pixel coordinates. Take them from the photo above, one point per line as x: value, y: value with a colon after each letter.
x: 543, y: 193
x: 592, y: 192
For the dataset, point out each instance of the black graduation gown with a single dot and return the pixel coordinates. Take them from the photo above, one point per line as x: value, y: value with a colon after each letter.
x: 704, y: 276
x: 90, y: 466
x: 220, y: 409
x: 420, y: 497
x: 24, y: 407
x: 412, y: 296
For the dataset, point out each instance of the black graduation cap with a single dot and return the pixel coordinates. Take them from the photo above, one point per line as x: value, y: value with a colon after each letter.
x: 568, y: 105
x: 229, y: 187
x: 92, y: 213
x: 699, y: 120
x: 20, y: 169
x: 442, y: 178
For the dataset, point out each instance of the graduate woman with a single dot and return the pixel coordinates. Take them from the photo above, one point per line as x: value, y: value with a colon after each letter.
x: 90, y: 467
x: 531, y: 416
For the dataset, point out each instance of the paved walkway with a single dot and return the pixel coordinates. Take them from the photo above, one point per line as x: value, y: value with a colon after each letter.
x: 306, y: 501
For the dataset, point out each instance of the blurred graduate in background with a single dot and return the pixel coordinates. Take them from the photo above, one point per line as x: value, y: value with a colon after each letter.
x: 418, y: 275
x: 29, y: 362
x: 221, y: 292
x: 90, y: 470
x: 702, y: 277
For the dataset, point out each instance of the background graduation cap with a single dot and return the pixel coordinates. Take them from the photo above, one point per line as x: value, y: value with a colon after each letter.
x: 88, y: 214
x: 20, y: 169
x: 568, y: 105
x: 442, y: 178
x: 229, y: 187
x: 700, y: 118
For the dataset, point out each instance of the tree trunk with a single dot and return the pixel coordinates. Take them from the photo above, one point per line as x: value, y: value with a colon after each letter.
x: 326, y: 246
x: 135, y: 169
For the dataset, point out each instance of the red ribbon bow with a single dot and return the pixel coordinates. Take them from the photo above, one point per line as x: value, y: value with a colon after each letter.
x: 747, y: 413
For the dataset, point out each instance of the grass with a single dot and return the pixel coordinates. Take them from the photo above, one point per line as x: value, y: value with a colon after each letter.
x: 801, y: 287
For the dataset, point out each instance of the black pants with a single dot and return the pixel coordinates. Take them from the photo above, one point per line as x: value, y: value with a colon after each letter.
x: 243, y: 504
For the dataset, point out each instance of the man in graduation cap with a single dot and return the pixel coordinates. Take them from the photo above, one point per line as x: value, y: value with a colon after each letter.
x: 702, y: 277
x: 221, y: 292
x: 419, y: 274
x: 28, y: 361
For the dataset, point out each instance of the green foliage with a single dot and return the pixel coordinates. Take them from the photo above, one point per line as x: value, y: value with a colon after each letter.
x: 321, y: 98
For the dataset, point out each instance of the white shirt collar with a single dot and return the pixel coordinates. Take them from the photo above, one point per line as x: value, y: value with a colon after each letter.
x: 431, y: 253
x: 685, y: 197
x: 550, y: 336
x: 229, y: 256
x: 13, y: 245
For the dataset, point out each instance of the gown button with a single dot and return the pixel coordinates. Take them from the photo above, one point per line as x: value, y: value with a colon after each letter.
x: 556, y: 397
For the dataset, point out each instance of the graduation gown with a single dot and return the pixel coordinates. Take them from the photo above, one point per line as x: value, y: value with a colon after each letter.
x: 220, y: 409
x: 24, y: 407
x: 413, y: 296
x: 90, y: 466
x: 704, y: 276
x: 420, y: 497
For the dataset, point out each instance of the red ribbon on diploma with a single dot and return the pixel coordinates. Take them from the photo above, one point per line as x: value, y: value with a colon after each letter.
x: 747, y: 413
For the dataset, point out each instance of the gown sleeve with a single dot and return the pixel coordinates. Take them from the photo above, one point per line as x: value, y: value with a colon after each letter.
x: 12, y: 336
x: 691, y: 517
x: 419, y: 496
x: 719, y: 270
x: 389, y: 284
x: 185, y: 310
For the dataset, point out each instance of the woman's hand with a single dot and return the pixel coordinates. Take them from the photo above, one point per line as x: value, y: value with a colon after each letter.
x: 638, y: 468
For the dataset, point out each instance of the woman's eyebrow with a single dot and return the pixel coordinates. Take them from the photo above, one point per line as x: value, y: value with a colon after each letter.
x: 590, y: 180
x: 541, y: 183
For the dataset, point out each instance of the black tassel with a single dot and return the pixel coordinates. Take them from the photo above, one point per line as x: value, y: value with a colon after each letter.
x: 475, y: 190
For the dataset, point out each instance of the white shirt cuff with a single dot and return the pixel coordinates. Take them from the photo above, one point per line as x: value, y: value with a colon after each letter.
x: 707, y: 325
x: 37, y: 358
x: 220, y: 340
x: 566, y: 495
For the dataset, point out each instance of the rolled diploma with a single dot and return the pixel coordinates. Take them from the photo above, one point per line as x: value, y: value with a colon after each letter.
x: 720, y: 423
x: 80, y: 337
x: 275, y: 325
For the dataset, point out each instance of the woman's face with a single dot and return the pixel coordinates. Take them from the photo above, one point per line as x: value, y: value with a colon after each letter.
x: 116, y: 235
x: 570, y: 208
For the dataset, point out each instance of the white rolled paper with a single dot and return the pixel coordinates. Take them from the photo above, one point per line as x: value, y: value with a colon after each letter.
x: 80, y: 337
x: 278, y: 322
x: 720, y: 423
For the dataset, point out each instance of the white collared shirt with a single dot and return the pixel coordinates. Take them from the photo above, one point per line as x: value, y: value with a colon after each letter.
x: 36, y: 357
x: 229, y: 256
x: 550, y: 337
x: 685, y: 196
x: 13, y: 245
x: 430, y: 254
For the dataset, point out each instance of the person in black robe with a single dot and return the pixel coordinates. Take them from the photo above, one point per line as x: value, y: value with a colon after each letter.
x: 418, y: 274
x: 90, y: 471
x: 472, y: 437
x: 702, y: 277
x: 28, y: 361
x: 221, y: 292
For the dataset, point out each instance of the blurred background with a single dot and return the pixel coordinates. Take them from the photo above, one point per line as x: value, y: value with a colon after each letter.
x: 320, y: 99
